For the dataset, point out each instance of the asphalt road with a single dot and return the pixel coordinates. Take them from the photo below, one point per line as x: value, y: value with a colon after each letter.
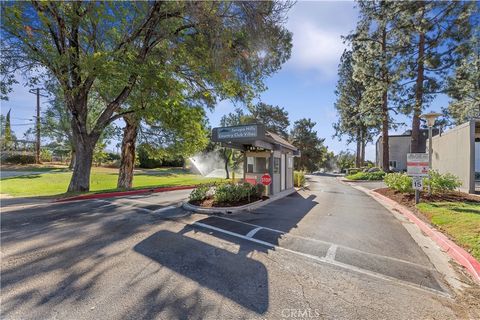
x: 330, y: 252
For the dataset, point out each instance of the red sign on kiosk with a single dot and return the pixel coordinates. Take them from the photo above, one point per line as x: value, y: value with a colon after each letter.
x: 266, y: 179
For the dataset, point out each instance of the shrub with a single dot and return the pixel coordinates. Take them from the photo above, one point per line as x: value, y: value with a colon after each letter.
x: 441, y: 183
x: 298, y: 178
x: 20, y: 159
x: 231, y: 192
x: 398, y: 181
x: 45, y: 155
x: 352, y: 171
x: 260, y: 189
x: 377, y: 175
x: 199, y: 193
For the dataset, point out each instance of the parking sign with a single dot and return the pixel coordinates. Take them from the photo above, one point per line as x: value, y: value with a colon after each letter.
x: 417, y: 164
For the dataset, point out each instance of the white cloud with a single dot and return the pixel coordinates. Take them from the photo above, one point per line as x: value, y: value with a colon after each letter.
x: 317, y: 29
x: 316, y: 49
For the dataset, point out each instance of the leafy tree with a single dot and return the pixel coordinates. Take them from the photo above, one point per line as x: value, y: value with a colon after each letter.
x: 56, y: 120
x: 431, y: 35
x: 464, y: 84
x: 232, y: 157
x: 374, y: 49
x: 109, y: 47
x: 344, y: 160
x: 352, y: 122
x: 274, y: 118
x: 313, y: 152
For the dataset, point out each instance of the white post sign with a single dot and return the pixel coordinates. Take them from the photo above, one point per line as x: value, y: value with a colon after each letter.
x: 417, y: 183
x: 417, y: 164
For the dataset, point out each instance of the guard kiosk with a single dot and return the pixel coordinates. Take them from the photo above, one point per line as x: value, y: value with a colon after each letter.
x: 266, y: 154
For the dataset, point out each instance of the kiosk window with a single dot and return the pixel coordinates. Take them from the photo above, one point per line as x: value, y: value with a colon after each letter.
x: 276, y: 165
x: 290, y: 162
x: 250, y: 163
x: 261, y: 165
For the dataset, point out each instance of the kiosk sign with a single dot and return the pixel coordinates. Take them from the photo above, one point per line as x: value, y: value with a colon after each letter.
x: 239, y: 132
x: 417, y: 164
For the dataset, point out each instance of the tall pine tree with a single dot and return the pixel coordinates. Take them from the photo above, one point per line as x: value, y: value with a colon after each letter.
x: 464, y: 84
x: 352, y: 122
x: 375, y: 47
x: 430, y: 34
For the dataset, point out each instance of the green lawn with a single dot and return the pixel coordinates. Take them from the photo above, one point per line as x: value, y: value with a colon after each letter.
x: 101, y: 179
x: 460, y: 220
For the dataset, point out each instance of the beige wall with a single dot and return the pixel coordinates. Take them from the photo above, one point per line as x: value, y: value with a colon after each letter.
x: 453, y: 152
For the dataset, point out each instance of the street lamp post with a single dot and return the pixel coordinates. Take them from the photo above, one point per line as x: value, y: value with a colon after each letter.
x: 430, y: 118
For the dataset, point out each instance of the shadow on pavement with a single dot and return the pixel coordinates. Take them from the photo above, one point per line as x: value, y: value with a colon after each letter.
x: 234, y: 276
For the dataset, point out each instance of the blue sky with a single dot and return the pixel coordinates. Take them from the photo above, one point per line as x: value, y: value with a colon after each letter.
x: 304, y: 87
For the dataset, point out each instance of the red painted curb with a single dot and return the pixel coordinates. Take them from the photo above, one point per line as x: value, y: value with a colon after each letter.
x: 122, y: 193
x: 459, y: 254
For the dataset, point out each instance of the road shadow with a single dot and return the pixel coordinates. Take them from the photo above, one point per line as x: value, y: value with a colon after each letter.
x: 71, y: 247
x: 234, y: 276
x: 71, y: 244
x: 270, y: 216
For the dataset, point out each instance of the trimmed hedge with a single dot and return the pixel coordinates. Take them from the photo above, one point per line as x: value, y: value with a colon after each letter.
x: 227, y: 192
x: 372, y: 176
x: 20, y: 159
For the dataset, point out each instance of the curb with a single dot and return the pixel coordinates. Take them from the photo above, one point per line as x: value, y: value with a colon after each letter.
x: 231, y: 210
x: 355, y: 181
x: 457, y: 253
x: 122, y: 193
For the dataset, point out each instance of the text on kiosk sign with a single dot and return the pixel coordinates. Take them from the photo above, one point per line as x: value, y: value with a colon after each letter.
x: 237, y: 132
x: 417, y: 164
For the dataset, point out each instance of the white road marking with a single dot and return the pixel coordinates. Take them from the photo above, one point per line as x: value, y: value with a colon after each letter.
x: 330, y: 256
x: 331, y: 262
x: 207, y: 226
x: 252, y: 232
x: 164, y: 209
x: 124, y: 205
x: 250, y: 224
x: 330, y: 244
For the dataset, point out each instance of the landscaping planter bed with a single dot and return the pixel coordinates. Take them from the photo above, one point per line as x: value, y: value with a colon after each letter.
x: 210, y: 203
x: 408, y: 200
x: 455, y: 214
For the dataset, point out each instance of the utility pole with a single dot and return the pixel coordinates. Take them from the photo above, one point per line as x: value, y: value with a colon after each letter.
x: 37, y: 125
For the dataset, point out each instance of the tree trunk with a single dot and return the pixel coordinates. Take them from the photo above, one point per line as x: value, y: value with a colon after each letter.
x: 227, y: 174
x: 359, y: 151
x: 72, y: 159
x: 385, y: 144
x: 80, y: 181
x: 127, y: 162
x: 363, y: 151
x: 226, y: 158
x: 362, y: 146
x: 83, y: 144
x: 385, y: 120
x: 417, y: 110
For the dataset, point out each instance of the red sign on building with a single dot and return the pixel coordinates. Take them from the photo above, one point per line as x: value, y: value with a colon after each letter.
x: 266, y: 179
